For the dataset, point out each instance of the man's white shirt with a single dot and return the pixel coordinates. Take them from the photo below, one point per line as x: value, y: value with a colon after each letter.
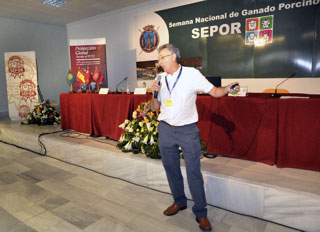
x: 183, y: 110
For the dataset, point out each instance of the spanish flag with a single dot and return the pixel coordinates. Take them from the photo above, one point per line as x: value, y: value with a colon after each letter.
x: 70, y: 78
x: 80, y: 76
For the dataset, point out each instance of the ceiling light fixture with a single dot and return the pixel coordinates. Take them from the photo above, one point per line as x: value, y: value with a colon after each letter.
x: 55, y: 3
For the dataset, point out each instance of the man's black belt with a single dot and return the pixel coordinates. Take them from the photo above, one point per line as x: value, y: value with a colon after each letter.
x: 176, y: 126
x: 168, y: 124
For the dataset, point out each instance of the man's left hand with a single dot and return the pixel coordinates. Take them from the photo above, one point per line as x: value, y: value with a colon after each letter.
x: 235, y: 90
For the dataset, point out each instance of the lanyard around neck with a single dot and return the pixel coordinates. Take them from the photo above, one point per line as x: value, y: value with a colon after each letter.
x: 174, y: 85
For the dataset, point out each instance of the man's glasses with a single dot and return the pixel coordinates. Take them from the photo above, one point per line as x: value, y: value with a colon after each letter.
x: 162, y: 57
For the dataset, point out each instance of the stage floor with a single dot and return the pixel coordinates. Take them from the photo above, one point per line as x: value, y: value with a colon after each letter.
x: 286, y: 196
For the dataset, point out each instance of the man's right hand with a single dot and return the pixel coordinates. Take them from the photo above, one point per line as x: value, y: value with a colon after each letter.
x: 156, y: 86
x: 155, y: 105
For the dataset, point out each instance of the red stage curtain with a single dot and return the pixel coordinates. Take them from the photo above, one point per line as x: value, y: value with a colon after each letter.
x: 257, y: 127
x: 76, y: 112
x: 299, y: 142
x: 244, y: 128
x: 109, y: 112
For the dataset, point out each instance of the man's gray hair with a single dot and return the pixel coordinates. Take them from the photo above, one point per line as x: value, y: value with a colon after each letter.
x: 172, y: 49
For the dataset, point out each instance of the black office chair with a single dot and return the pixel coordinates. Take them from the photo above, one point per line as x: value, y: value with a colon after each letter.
x: 215, y: 80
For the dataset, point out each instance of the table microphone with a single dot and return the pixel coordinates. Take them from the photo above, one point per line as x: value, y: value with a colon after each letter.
x: 275, y: 94
x: 120, y: 83
x: 155, y: 94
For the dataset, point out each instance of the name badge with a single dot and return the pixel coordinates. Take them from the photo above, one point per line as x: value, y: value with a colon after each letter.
x: 168, y: 102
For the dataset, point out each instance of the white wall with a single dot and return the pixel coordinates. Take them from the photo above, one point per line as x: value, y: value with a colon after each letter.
x: 118, y: 28
x: 50, y: 44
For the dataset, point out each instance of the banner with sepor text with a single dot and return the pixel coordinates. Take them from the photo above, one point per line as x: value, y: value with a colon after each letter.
x: 21, y: 75
x: 242, y: 39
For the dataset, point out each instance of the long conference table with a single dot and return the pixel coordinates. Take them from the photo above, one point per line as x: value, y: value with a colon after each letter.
x: 282, y: 132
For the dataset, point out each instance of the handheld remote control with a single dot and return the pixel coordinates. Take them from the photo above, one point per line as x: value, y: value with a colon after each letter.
x: 234, y: 85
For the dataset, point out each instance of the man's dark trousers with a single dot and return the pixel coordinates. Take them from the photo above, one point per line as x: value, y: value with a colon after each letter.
x: 187, y: 137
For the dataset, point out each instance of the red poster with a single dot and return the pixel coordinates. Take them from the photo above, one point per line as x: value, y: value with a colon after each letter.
x: 88, y: 55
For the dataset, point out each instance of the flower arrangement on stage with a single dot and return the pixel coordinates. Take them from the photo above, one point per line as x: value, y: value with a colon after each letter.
x: 44, y: 114
x: 141, y: 133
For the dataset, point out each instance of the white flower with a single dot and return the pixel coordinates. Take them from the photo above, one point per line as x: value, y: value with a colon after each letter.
x: 148, y: 125
x: 141, y: 124
x: 145, y: 140
x: 122, y: 125
x: 121, y: 138
x: 136, y: 138
x: 45, y: 116
x: 128, y: 146
x: 129, y: 127
x: 151, y: 140
x: 134, y: 114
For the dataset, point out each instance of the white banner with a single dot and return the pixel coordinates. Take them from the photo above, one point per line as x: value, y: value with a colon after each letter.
x: 21, y: 73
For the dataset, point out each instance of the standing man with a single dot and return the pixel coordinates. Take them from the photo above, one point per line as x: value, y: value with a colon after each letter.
x: 176, y: 98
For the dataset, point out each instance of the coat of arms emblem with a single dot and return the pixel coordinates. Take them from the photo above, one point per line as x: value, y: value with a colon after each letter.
x: 149, y: 39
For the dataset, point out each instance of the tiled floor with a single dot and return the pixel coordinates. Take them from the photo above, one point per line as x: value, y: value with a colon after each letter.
x: 38, y: 193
